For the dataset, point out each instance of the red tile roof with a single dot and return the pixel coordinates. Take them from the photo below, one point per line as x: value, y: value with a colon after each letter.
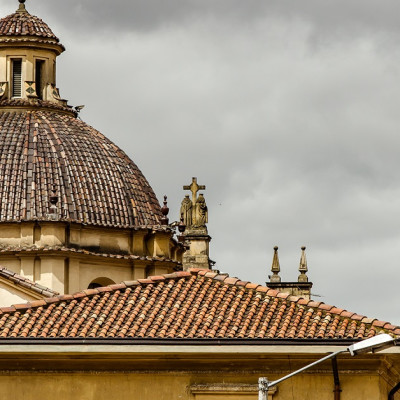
x: 95, y: 181
x: 195, y: 304
x: 25, y: 24
x: 26, y: 283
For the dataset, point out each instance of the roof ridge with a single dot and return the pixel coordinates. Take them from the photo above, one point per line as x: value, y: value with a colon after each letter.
x: 226, y: 279
x: 26, y: 282
x: 92, y: 292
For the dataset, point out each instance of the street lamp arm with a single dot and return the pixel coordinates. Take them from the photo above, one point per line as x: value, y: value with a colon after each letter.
x: 373, y: 344
x: 329, y: 356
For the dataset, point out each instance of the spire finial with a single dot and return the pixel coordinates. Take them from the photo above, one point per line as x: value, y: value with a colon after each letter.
x: 21, y: 7
x: 303, y: 266
x: 182, y: 226
x: 165, y: 211
x: 275, y: 268
x: 181, y: 229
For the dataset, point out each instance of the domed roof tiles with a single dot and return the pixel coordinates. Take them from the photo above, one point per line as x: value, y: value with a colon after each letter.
x: 195, y: 304
x: 25, y: 24
x: 22, y: 27
x: 94, y: 180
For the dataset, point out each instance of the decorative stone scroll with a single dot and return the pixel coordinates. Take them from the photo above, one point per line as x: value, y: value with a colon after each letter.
x: 3, y: 89
x: 53, y: 94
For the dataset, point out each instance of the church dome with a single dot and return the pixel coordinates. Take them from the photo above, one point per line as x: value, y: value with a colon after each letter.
x: 26, y: 28
x: 53, y: 166
x: 94, y: 182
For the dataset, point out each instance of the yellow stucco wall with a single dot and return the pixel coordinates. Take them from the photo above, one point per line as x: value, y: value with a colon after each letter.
x: 151, y: 386
x: 70, y: 271
x: 13, y: 294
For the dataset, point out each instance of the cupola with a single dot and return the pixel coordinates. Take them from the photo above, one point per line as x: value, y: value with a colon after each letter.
x: 28, y: 51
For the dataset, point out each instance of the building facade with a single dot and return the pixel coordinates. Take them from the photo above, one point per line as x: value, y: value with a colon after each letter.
x: 105, y: 301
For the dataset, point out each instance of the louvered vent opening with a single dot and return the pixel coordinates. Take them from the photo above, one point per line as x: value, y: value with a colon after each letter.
x: 17, y: 78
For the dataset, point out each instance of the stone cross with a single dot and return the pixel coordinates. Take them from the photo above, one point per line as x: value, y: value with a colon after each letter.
x: 194, y: 188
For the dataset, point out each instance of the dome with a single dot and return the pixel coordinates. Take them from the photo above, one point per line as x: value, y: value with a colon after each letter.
x: 22, y: 26
x: 44, y: 147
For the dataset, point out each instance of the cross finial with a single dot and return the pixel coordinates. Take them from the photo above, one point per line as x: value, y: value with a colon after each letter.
x: 194, y: 187
x: 275, y: 267
x: 303, y: 266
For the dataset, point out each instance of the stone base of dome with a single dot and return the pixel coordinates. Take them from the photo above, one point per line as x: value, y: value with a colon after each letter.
x: 18, y: 105
x: 69, y: 257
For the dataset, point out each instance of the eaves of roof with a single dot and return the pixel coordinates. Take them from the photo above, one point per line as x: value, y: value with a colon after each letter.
x: 80, y: 251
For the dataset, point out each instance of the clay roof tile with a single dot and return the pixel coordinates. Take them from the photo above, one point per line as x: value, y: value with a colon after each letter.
x: 112, y: 181
x: 205, y: 307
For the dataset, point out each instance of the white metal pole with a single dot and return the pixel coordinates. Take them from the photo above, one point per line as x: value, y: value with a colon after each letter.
x: 262, y: 389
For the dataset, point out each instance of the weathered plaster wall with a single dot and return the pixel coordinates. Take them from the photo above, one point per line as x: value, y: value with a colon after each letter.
x: 13, y: 295
x: 152, y: 385
x: 98, y: 254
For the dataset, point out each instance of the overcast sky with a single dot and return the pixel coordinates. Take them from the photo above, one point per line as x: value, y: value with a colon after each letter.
x: 288, y: 111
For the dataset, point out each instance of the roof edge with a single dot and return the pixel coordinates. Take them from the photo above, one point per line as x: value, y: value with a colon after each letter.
x: 26, y: 283
x: 65, y: 341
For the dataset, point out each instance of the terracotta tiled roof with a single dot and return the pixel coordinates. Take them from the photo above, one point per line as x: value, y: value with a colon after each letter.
x: 195, y: 304
x: 26, y: 283
x: 95, y: 181
x: 25, y: 24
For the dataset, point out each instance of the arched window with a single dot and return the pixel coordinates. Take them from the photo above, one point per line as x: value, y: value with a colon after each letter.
x: 98, y: 282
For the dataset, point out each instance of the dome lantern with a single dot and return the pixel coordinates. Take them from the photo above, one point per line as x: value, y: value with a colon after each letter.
x: 28, y: 51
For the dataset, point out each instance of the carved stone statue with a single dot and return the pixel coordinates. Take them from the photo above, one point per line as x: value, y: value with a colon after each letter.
x: 201, y: 211
x: 194, y: 211
x: 195, y: 237
x: 186, y: 211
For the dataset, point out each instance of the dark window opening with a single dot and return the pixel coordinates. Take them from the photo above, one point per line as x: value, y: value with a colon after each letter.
x: 17, y: 78
x: 99, y: 282
x: 94, y: 285
x: 39, y: 78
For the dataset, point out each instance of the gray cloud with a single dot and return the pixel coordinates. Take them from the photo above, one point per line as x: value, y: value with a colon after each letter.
x: 287, y: 111
x: 333, y: 17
